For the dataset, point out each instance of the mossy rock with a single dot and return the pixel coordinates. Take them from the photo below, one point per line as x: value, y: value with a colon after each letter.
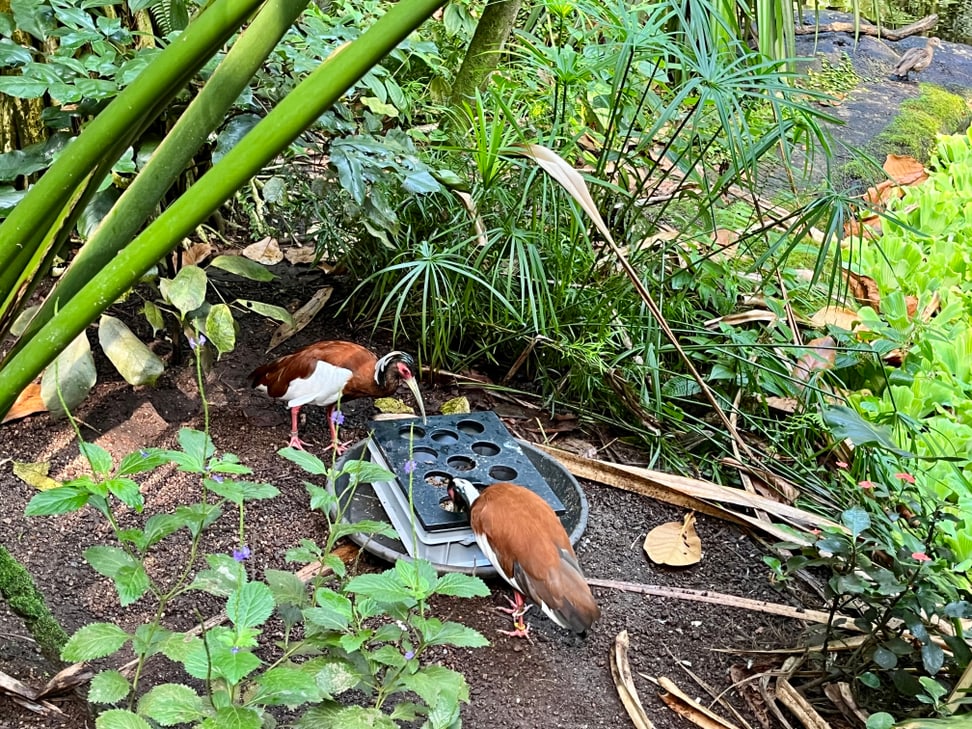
x: 18, y: 589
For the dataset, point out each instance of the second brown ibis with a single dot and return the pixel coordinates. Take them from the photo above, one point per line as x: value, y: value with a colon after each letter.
x: 329, y: 372
x: 524, y: 540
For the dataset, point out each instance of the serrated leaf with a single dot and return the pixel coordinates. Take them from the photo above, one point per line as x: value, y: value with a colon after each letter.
x: 244, y: 267
x: 233, y: 717
x: 221, y: 579
x: 120, y: 719
x: 286, y: 686
x: 98, y: 457
x: 131, y: 582
x: 234, y: 666
x: 418, y: 575
x: 135, y: 362
x: 307, y: 461
x: 457, y: 584
x: 383, y: 588
x: 159, y: 526
x: 171, y: 703
x: 60, y: 500
x: 334, y: 676
x: 149, y: 639
x: 365, y: 526
x: 126, y: 491
x: 250, y: 605
x: 198, y: 516
x: 73, y: 372
x: 187, y: 291
x: 240, y: 491
x: 335, y: 716
x: 332, y: 612
x: 221, y: 328
x: 268, y: 310
x: 367, y: 472
x: 108, y: 687
x: 141, y: 461
x: 107, y: 560
x: 287, y: 588
x: 94, y: 640
x: 436, y: 632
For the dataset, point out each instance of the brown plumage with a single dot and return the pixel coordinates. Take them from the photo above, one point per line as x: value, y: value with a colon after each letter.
x: 327, y: 372
x: 916, y: 59
x: 523, y: 538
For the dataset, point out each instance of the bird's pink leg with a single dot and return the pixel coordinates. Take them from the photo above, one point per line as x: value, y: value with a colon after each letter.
x: 338, y: 447
x: 295, y: 441
x: 517, y: 610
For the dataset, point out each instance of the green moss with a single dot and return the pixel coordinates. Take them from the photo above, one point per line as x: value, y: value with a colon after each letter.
x: 17, y: 588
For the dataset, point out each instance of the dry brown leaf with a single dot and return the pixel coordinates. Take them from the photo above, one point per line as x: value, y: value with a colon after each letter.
x: 28, y: 402
x: 837, y: 316
x: 302, y: 317
x: 905, y: 170
x: 196, y: 254
x: 783, y: 404
x: 679, y: 702
x: 621, y: 672
x: 864, y: 289
x: 931, y: 308
x: 265, y: 251
x: 842, y: 697
x: 35, y: 474
x: 742, y: 681
x: 676, y: 544
x: 300, y: 254
x: 822, y: 355
x: 724, y: 241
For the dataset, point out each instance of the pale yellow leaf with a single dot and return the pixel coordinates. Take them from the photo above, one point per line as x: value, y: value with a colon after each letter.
x: 837, y: 316
x: 35, y: 474
x: 455, y: 406
x: 675, y: 544
x: 393, y: 405
x: 301, y: 254
x: 265, y: 251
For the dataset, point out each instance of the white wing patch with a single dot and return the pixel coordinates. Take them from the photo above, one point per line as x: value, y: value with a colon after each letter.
x: 323, y: 387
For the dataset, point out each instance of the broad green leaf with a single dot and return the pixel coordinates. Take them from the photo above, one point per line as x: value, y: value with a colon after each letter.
x: 107, y: 560
x: 268, y: 310
x: 436, y: 632
x: 21, y: 87
x: 334, y: 676
x: 367, y: 472
x: 243, y: 267
x: 129, y: 576
x: 222, y: 578
x: 880, y: 720
x: 384, y: 588
x: 171, y: 703
x: 250, y: 605
x: 457, y: 584
x: 141, y: 461
x: 884, y: 658
x: 94, y: 640
x: 240, y: 491
x: 153, y: 315
x: 159, y: 526
x: 221, y: 328
x: 844, y: 422
x: 308, y: 551
x: 387, y: 655
x: 108, y: 687
x: 126, y: 491
x: 332, y: 612
x: 197, y: 517
x: 365, y: 526
x: 286, y: 686
x: 131, y: 582
x: 187, y: 291
x: 286, y: 587
x: 307, y: 461
x: 233, y: 717
x: 418, y: 575
x: 135, y: 362
x: 933, y: 658
x: 73, y: 372
x: 856, y: 520
x: 61, y: 500
x: 98, y: 457
x: 120, y: 719
x: 150, y: 639
x: 345, y: 717
x: 234, y: 667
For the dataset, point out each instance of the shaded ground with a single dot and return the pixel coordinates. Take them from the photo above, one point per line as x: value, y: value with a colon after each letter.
x: 559, y: 680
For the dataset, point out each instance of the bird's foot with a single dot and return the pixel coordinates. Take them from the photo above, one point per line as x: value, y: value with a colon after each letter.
x: 520, y: 629
x: 517, y: 608
x: 297, y: 443
x: 338, y: 447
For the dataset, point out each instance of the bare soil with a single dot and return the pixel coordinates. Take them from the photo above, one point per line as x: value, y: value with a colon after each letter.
x: 558, y: 680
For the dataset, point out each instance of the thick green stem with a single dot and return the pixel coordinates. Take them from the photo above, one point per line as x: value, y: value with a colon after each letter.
x: 26, y: 236
x: 17, y: 588
x: 274, y: 133
x: 483, y: 54
x: 202, y: 116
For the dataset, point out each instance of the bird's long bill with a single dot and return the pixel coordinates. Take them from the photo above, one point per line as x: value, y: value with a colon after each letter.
x: 413, y: 386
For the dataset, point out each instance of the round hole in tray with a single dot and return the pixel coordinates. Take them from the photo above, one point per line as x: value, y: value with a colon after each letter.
x: 445, y: 437
x: 437, y: 479
x: 471, y: 427
x: 502, y: 473
x: 461, y: 463
x: 447, y: 504
x: 408, y: 432
x: 485, y: 448
x: 424, y: 455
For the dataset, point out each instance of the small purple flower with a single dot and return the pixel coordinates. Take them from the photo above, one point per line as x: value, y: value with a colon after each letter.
x: 235, y: 649
x: 409, y: 466
x: 409, y: 655
x: 337, y: 417
x: 143, y: 453
x: 217, y: 478
x: 194, y: 343
x: 242, y: 553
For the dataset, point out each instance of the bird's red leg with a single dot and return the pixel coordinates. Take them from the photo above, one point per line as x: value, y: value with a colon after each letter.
x: 337, y: 446
x: 295, y: 441
x: 517, y: 610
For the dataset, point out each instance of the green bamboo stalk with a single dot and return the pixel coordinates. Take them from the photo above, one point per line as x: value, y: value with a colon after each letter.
x: 202, y: 116
x: 272, y: 135
x: 27, y: 228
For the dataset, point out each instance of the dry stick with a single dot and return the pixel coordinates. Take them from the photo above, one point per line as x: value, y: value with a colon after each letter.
x: 919, y: 26
x: 714, y: 695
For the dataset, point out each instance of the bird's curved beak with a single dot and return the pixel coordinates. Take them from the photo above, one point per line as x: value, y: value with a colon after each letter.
x: 412, y: 384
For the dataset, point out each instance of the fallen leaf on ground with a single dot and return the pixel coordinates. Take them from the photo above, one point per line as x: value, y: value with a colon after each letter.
x: 28, y: 402
x: 196, y: 254
x: 675, y: 543
x: 905, y: 170
x: 864, y: 289
x: 265, y: 251
x: 821, y: 355
x: 35, y: 474
x: 302, y: 317
x: 301, y: 254
x: 687, y: 707
x: 838, y: 316
x: 455, y: 406
x: 393, y: 405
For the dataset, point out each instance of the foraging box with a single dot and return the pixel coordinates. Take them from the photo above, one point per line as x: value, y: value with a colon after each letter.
x: 474, y: 446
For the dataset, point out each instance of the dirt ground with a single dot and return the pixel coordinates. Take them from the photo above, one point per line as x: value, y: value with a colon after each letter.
x: 558, y: 680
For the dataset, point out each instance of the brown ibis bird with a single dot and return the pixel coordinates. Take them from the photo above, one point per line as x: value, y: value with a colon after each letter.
x: 526, y: 543
x: 916, y: 59
x: 326, y: 373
